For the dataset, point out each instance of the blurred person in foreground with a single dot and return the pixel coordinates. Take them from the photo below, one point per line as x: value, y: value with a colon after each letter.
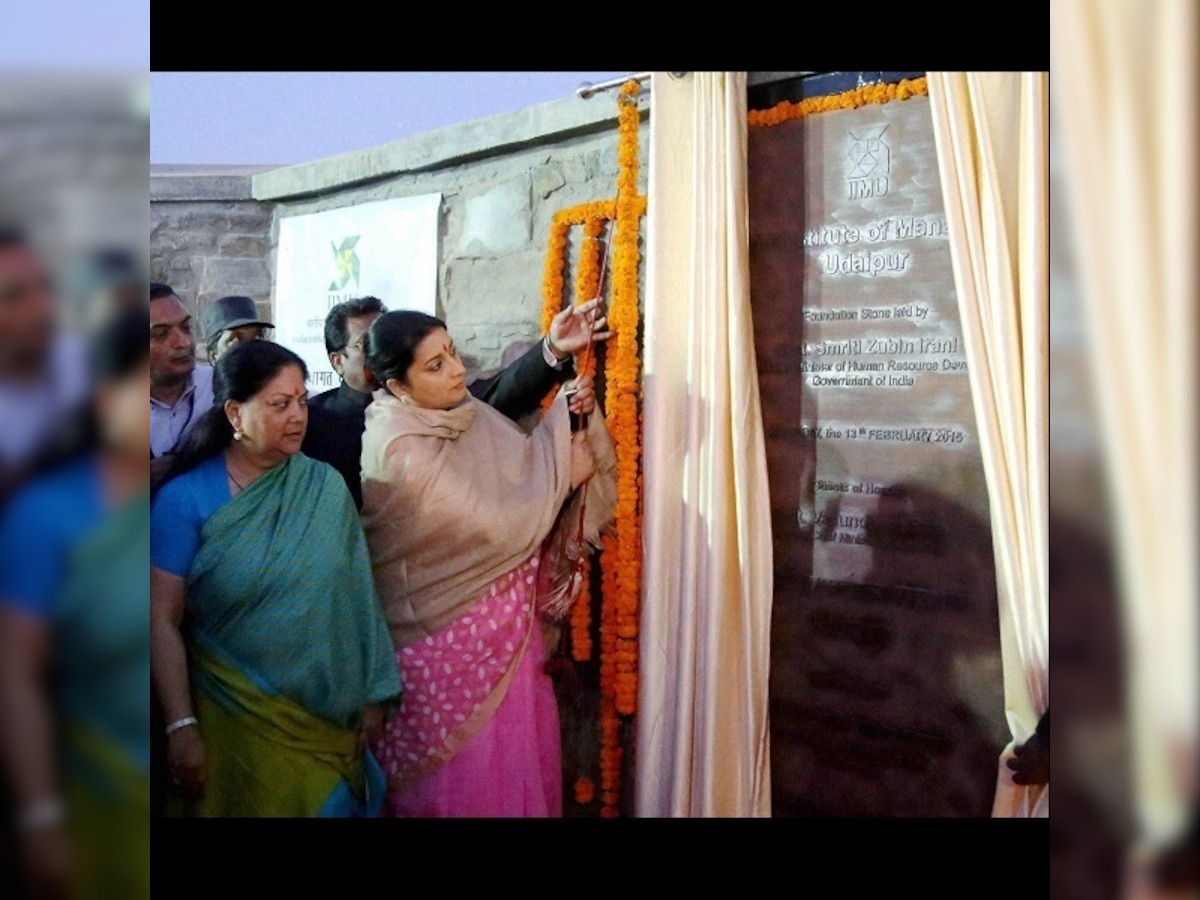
x: 271, y: 657
x: 74, y: 648
x: 337, y: 417
x: 180, y: 390
x: 103, y: 284
x: 43, y: 369
x: 230, y: 321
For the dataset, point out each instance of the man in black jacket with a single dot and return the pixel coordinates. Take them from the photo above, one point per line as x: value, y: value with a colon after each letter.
x: 336, y: 418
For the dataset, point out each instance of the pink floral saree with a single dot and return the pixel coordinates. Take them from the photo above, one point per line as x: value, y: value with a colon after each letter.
x: 477, y: 734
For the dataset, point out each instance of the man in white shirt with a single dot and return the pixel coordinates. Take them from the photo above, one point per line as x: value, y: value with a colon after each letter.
x: 180, y: 390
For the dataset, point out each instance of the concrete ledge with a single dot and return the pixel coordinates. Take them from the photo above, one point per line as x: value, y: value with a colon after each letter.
x: 202, y: 183
x: 74, y: 96
x: 492, y: 136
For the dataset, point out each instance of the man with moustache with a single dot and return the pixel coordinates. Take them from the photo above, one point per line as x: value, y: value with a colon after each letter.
x: 180, y: 390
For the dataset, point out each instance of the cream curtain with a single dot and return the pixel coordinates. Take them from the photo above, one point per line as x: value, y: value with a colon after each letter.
x: 992, y: 136
x: 1126, y: 95
x: 702, y: 738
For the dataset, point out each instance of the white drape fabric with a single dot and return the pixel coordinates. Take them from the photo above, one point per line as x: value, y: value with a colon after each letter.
x: 1125, y: 106
x: 991, y: 130
x: 702, y: 727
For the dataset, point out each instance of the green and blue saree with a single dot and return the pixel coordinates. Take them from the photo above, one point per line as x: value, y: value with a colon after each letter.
x: 287, y: 645
x: 70, y: 560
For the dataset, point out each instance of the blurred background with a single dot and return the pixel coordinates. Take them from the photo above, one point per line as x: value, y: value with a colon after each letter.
x: 1122, y: 531
x: 74, y: 645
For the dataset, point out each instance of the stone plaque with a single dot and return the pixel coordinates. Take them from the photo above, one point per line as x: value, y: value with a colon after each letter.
x: 886, y: 686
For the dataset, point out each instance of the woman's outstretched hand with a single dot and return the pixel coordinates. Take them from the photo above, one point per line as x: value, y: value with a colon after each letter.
x: 570, y: 329
x: 583, y: 395
x: 583, y: 461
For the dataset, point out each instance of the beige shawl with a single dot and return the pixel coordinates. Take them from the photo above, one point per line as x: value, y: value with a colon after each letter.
x: 453, y: 499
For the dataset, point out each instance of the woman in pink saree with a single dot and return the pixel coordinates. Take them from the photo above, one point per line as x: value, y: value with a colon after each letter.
x: 459, y: 508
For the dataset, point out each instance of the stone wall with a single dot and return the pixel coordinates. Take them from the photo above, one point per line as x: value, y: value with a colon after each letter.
x: 501, y: 179
x: 209, y: 237
x: 215, y: 231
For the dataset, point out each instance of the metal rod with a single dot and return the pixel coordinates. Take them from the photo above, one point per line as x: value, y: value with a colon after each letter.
x: 586, y: 90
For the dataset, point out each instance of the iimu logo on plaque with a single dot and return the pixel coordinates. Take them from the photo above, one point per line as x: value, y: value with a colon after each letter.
x: 345, y: 264
x: 386, y: 249
x: 870, y: 163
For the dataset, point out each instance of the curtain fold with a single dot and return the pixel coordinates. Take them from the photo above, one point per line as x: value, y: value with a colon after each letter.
x: 991, y: 130
x: 702, y: 733
x: 1125, y: 89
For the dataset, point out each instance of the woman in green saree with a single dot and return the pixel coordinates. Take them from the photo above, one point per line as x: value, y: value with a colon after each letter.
x: 74, y: 652
x: 270, y: 655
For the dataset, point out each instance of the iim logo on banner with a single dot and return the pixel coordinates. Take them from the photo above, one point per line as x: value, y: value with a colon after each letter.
x: 345, y: 261
x: 870, y: 164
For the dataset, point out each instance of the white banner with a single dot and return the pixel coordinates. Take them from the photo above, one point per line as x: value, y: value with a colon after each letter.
x: 386, y: 249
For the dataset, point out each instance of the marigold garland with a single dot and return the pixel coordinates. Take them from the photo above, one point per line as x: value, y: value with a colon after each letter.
x: 585, y: 791
x: 621, y: 557
x: 587, y: 282
x: 592, y: 217
x: 623, y: 369
x: 621, y: 595
x: 852, y: 99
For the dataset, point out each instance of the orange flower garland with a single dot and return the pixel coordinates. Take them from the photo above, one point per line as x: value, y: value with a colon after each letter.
x: 552, y: 277
x: 621, y: 558
x: 587, y: 282
x: 623, y: 395
x: 592, y: 216
x: 585, y: 791
x: 853, y: 99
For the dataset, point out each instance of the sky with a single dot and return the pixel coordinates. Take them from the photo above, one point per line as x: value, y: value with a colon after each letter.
x: 261, y: 118
x: 75, y: 35
x: 280, y: 118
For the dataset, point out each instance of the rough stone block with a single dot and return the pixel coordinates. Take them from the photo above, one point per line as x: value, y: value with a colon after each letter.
x: 248, y: 277
x: 546, y: 180
x: 496, y: 221
x: 242, y: 218
x: 575, y: 170
x: 243, y: 245
x: 488, y: 292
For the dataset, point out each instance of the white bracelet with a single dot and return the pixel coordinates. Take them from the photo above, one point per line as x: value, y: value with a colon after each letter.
x: 41, y: 815
x: 181, y: 723
x: 553, y: 354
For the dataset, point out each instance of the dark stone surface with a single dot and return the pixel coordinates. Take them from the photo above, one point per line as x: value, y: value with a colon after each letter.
x: 886, y: 688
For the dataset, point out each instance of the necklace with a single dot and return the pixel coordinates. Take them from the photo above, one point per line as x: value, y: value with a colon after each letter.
x: 229, y: 472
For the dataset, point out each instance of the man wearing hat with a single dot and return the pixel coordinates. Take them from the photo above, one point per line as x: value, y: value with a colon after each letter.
x: 231, y: 321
